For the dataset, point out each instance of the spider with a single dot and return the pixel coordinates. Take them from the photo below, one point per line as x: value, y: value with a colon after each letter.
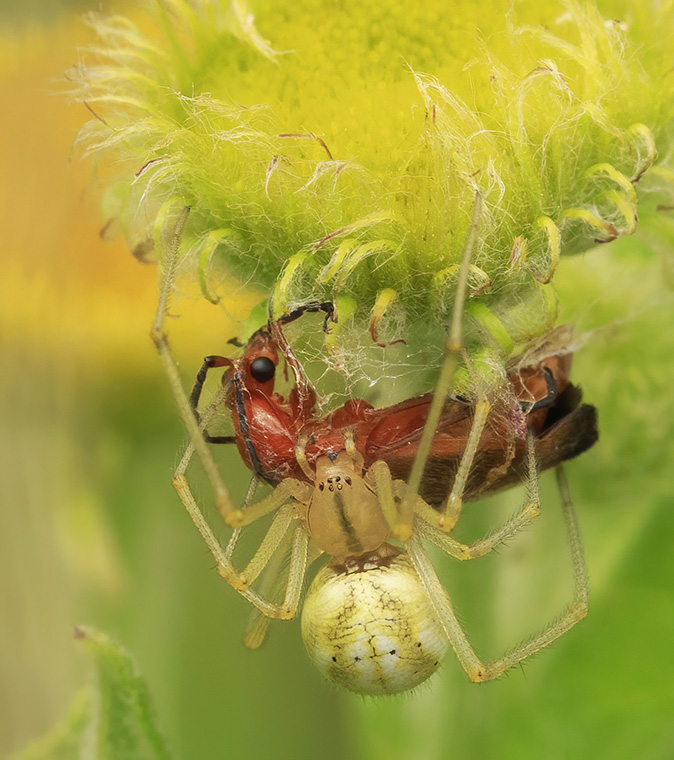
x: 376, y: 618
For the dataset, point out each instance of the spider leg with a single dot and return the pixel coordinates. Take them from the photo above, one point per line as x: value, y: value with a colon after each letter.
x: 271, y: 587
x: 160, y: 338
x: 400, y: 519
x: 479, y: 548
x: 236, y: 533
x: 241, y: 581
x: 530, y: 509
x: 476, y: 669
x: 450, y: 363
x: 270, y: 543
x: 443, y: 608
x: 301, y: 457
x: 447, y: 518
x: 282, y: 498
x: 483, y: 546
x: 287, y: 490
x: 428, y: 527
x: 252, y: 487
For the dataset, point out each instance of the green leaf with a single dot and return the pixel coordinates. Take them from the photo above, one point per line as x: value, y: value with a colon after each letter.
x: 113, y: 722
x: 66, y: 740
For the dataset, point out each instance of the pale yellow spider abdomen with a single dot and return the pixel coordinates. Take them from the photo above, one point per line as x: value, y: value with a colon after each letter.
x: 370, y: 626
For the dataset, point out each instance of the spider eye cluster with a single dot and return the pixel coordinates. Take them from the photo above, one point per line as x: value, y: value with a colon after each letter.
x: 373, y: 629
x: 262, y: 369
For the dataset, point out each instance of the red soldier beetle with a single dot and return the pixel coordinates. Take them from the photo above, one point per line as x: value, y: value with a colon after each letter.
x: 268, y: 428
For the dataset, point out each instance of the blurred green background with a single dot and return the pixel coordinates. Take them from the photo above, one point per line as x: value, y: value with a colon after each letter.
x: 92, y: 532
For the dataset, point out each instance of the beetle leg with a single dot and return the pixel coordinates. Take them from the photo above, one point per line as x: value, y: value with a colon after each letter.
x: 550, y: 396
x: 327, y: 307
x: 500, y: 470
x: 210, y: 362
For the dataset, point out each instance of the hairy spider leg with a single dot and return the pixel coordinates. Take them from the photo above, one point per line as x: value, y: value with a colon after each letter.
x: 449, y: 366
x: 159, y: 336
x: 283, y: 499
x: 576, y: 611
x: 272, y: 586
x: 426, y: 525
x: 428, y: 528
x: 446, y: 518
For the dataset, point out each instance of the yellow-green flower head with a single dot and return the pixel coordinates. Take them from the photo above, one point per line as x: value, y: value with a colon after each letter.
x: 335, y: 149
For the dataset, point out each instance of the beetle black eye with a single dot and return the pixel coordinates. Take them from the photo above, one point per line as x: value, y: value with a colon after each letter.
x: 262, y: 369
